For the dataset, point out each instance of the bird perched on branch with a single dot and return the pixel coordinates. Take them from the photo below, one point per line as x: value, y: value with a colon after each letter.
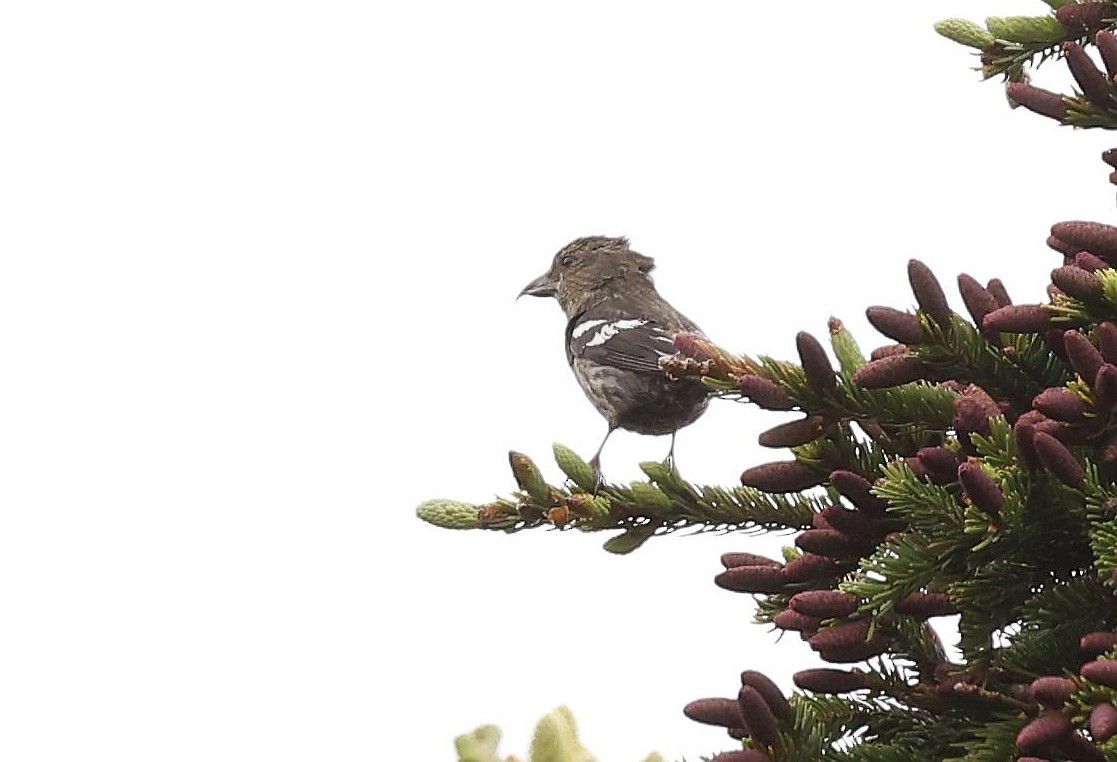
x: 618, y: 327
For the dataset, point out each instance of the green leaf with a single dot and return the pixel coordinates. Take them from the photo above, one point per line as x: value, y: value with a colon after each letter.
x: 630, y: 539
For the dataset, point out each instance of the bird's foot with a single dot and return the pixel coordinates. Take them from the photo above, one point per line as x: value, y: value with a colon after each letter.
x: 669, y: 461
x: 598, y: 478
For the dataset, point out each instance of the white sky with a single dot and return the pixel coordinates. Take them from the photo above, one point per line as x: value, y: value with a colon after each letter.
x: 257, y: 304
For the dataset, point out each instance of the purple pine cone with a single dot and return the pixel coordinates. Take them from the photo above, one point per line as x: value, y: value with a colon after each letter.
x: 1098, y: 642
x: 1102, y: 672
x: 827, y: 542
x: 981, y: 488
x: 1103, y: 722
x: 889, y: 350
x: 978, y: 300
x: 769, y: 691
x: 856, y: 524
x: 816, y: 365
x: 1056, y: 458
x: 1038, y: 100
x: 758, y: 716
x: 796, y: 622
x: 810, y: 566
x: 926, y: 605
x: 846, y: 642
x: 928, y: 293
x: 765, y: 393
x: 830, y: 680
x: 941, y: 463
x: 1023, y: 432
x: 973, y: 411
x: 1018, y: 318
x: 1086, y: 19
x: 1089, y: 262
x: 781, y: 476
x: 897, y: 325
x: 1045, y: 733
x: 1107, y: 46
x: 1076, y: 282
x: 794, y: 433
x: 733, y: 560
x: 889, y: 371
x: 841, y: 634
x: 752, y: 579
x: 1061, y: 404
x: 1095, y: 237
x: 1095, y: 86
x: 1083, y: 355
x: 997, y: 289
x: 1105, y: 388
x: 825, y: 604
x: 722, y: 712
x: 1051, y: 691
x: 1105, y: 334
x: 857, y: 489
x: 1068, y: 250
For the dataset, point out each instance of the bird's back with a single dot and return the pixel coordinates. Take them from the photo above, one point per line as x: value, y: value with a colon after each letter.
x: 614, y: 349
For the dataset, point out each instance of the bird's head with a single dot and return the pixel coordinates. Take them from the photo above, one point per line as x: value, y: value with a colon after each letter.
x: 590, y: 269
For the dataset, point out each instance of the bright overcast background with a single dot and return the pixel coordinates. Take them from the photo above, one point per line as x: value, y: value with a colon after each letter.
x: 257, y: 304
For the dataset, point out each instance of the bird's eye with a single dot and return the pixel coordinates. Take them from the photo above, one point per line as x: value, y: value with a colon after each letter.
x: 567, y: 260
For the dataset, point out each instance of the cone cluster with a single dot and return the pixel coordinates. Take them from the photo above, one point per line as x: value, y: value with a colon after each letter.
x: 1018, y: 426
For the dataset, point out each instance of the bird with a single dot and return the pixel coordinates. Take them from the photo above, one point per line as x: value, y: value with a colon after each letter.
x: 618, y: 327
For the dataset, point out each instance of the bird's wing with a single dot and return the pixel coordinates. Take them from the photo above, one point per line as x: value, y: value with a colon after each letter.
x: 634, y: 344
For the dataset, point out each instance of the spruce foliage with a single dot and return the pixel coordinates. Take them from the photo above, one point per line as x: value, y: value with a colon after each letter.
x: 967, y: 469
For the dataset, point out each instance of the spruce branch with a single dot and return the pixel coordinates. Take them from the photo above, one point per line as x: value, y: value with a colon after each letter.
x: 1012, y: 46
x: 663, y: 504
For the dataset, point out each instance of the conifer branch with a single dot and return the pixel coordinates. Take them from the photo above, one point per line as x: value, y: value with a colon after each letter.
x: 663, y: 504
x: 967, y: 469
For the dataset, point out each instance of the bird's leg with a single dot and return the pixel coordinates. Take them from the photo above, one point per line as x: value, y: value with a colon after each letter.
x: 595, y: 461
x: 669, y: 461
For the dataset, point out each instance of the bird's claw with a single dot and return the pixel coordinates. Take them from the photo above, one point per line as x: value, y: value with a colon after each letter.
x: 598, y: 478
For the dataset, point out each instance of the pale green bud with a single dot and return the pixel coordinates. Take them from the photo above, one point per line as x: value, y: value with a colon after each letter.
x: 576, y: 469
x: 649, y: 499
x: 965, y: 33
x: 556, y: 739
x: 480, y: 745
x: 449, y: 514
x: 1043, y: 29
x: 845, y: 347
x: 529, y: 478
